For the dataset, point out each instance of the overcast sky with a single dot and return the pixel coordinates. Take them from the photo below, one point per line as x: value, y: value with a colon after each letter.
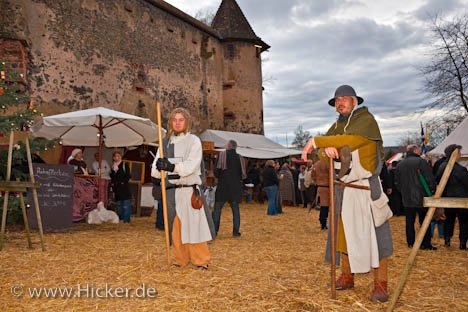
x: 376, y: 46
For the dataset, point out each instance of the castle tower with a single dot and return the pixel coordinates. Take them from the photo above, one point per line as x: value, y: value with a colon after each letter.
x: 242, y: 69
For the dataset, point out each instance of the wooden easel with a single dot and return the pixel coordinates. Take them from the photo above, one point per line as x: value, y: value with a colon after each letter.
x: 431, y: 203
x: 17, y: 186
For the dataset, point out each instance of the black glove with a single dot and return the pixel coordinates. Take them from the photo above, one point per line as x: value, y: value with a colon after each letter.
x: 164, y: 164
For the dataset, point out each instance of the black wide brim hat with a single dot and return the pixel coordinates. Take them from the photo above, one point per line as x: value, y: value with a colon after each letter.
x: 345, y: 90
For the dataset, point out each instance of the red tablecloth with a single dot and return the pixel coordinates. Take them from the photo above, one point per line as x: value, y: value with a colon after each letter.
x: 85, y: 195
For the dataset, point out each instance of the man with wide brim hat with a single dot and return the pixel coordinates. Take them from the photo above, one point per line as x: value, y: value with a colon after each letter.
x: 364, y: 239
x: 345, y: 90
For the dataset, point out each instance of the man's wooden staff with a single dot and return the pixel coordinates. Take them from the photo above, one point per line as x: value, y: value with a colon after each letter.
x: 163, y: 183
x: 331, y: 180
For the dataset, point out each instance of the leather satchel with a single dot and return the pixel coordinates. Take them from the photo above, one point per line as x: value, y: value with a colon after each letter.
x: 197, y: 199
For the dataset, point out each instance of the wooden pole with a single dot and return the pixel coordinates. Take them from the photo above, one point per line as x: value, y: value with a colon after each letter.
x: 7, y: 193
x: 34, y: 192
x: 25, y: 218
x: 163, y: 182
x: 100, y: 159
x: 422, y: 231
x: 331, y: 177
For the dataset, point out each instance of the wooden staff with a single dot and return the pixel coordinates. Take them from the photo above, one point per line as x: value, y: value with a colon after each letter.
x: 34, y: 192
x: 25, y: 217
x: 422, y: 231
x: 163, y: 183
x: 331, y: 179
x: 7, y: 193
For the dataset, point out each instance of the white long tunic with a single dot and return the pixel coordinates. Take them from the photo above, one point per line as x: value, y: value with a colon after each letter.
x: 188, y: 155
x: 358, y: 222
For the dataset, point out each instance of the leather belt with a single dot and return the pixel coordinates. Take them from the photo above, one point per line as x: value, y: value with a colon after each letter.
x: 361, y: 187
x: 173, y: 186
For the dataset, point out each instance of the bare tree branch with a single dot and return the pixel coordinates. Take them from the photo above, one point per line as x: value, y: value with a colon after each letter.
x: 446, y: 76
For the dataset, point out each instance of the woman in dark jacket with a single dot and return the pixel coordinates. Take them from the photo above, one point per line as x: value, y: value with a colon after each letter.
x: 120, y: 175
x: 270, y: 185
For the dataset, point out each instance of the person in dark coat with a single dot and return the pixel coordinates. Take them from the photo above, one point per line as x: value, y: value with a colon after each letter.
x: 120, y: 175
x: 320, y: 175
x: 157, y: 195
x: 295, y: 174
x: 395, y: 197
x: 279, y: 196
x: 230, y: 171
x: 385, y: 180
x: 253, y: 177
x: 270, y: 185
x: 412, y: 192
x: 457, y: 186
x: 76, y: 160
x: 435, y: 167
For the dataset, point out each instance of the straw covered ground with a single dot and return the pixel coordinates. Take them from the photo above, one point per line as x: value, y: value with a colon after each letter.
x: 276, y: 265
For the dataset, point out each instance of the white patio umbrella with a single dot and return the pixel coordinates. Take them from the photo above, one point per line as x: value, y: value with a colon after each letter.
x: 95, y: 127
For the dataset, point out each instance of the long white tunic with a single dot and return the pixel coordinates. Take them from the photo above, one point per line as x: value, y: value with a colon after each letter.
x: 187, y: 158
x: 358, y: 222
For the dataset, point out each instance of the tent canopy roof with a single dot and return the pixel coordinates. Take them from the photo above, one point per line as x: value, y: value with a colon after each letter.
x: 458, y: 136
x: 249, y: 145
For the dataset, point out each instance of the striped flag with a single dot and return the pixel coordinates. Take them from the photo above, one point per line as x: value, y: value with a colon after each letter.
x: 424, y: 140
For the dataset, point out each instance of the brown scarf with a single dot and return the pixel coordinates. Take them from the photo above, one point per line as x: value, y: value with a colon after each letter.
x: 222, y: 163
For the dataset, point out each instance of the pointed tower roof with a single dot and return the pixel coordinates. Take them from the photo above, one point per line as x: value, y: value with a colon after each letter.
x: 231, y: 23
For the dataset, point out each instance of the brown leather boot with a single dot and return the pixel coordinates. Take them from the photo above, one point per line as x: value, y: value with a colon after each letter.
x: 380, y: 293
x: 345, y: 281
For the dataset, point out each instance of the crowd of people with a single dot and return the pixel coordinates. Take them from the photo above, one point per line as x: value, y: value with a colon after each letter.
x: 415, y: 178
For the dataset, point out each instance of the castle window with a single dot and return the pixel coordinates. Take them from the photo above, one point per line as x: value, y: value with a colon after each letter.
x: 231, y: 51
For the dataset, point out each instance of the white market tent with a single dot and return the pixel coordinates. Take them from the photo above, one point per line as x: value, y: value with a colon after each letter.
x: 396, y: 157
x: 458, y: 136
x: 249, y: 145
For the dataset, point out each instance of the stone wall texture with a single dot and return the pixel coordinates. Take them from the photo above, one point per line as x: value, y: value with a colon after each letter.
x: 125, y: 55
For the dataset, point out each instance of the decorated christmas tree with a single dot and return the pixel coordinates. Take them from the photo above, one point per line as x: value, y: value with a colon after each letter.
x: 17, y: 113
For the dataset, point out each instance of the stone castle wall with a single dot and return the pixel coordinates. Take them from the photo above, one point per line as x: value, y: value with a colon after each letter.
x: 124, y: 55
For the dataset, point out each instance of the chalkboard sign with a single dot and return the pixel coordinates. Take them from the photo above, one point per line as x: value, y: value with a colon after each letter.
x: 55, y: 196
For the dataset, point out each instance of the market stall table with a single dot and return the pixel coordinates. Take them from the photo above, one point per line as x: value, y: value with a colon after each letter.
x: 86, y: 195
